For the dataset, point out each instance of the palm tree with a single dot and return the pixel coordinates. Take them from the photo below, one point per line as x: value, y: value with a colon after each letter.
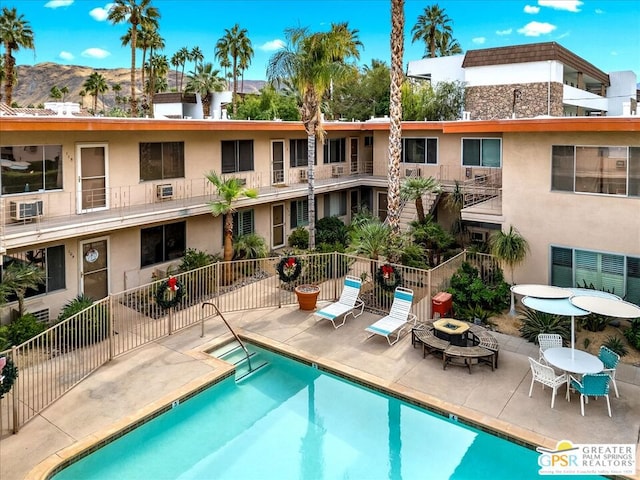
x: 175, y: 62
x: 203, y: 81
x: 15, y: 32
x: 117, y: 88
x: 415, y: 188
x: 55, y: 93
x: 196, y: 56
x: 181, y: 57
x: 229, y: 190
x: 64, y: 91
x: 158, y: 67
x: 82, y: 94
x: 510, y: 248
x: 309, y: 63
x: 431, y: 26
x: 235, y: 47
x: 95, y: 85
x: 447, y: 46
x: 134, y: 13
x: 395, y: 115
x: 149, y: 40
x: 18, y: 277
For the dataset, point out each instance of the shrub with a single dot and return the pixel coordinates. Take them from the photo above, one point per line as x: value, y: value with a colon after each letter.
x: 196, y: 259
x: 87, y: 328
x: 632, y: 334
x: 24, y: 328
x: 331, y: 230
x: 617, y: 345
x: 250, y: 246
x: 470, y: 291
x: 594, y: 322
x: 535, y: 323
x: 74, y: 306
x: 299, y: 238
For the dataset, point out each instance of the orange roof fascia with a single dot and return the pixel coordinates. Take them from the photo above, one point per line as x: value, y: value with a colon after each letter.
x: 557, y: 124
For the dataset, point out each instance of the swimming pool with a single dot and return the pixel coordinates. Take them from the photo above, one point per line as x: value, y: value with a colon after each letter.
x: 292, y: 421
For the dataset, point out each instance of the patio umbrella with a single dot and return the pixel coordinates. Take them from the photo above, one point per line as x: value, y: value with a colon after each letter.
x: 557, y: 306
x: 537, y: 291
x: 602, y: 305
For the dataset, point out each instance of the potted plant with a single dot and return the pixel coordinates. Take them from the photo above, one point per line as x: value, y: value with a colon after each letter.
x: 289, y: 268
x: 307, y: 296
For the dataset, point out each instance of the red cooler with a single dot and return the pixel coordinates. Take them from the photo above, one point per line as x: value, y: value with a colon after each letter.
x: 442, y: 304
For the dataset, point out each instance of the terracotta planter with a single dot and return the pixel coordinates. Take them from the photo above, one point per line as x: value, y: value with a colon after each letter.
x: 307, y: 296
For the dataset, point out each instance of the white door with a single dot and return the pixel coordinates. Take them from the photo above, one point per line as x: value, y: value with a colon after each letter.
x: 277, y: 162
x: 277, y: 226
x: 92, y: 177
x: 94, y: 268
x: 353, y: 154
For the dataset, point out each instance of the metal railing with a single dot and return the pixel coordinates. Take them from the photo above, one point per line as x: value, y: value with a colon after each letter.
x: 53, y: 362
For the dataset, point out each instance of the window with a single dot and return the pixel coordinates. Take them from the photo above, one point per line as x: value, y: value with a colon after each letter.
x: 335, y: 150
x: 162, y: 243
x: 368, y: 141
x: 335, y: 204
x: 299, y: 213
x: 481, y: 152
x: 614, y: 273
x: 30, y: 168
x: 243, y: 223
x: 420, y: 150
x: 591, y: 169
x: 298, y: 152
x: 237, y: 156
x: 50, y: 260
x: 161, y: 160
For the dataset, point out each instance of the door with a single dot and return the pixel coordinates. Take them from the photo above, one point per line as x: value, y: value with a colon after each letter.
x: 383, y: 205
x: 92, y: 177
x: 277, y: 225
x: 277, y: 161
x: 353, y: 154
x: 94, y: 270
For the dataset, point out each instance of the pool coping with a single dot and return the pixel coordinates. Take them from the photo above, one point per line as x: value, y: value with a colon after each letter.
x: 223, y: 370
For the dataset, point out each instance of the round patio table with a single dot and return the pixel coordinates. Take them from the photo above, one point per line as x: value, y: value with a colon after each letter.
x: 573, y: 361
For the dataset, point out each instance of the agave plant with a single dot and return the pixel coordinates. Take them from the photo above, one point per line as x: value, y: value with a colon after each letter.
x: 535, y: 323
x: 617, y: 345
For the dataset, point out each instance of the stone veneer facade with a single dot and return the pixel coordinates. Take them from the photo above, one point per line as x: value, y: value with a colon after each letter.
x: 496, y: 101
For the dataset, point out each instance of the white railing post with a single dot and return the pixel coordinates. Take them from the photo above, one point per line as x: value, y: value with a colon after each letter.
x: 110, y: 326
x: 16, y: 390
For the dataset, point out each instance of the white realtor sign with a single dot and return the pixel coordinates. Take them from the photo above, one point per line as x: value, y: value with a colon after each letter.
x: 588, y: 459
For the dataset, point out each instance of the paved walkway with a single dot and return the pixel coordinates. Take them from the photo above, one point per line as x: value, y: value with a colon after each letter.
x: 152, y: 376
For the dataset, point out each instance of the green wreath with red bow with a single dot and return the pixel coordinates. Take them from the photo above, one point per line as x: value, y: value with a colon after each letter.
x: 170, y: 293
x: 8, y: 375
x: 289, y: 269
x: 388, y: 277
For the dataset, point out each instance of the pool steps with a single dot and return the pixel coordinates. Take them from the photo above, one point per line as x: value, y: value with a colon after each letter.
x: 233, y: 353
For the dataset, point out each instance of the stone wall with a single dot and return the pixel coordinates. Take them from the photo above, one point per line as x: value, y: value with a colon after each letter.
x: 496, y: 101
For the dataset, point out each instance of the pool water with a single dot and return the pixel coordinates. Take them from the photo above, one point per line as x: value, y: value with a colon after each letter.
x: 292, y: 421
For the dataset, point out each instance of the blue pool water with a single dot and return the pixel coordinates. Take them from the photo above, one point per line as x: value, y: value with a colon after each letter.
x: 291, y: 421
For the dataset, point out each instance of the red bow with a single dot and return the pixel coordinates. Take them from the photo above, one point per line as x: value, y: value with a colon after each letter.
x: 173, y: 284
x: 291, y: 262
x: 387, y: 270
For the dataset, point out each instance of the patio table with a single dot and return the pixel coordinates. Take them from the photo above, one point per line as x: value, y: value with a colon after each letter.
x: 578, y: 362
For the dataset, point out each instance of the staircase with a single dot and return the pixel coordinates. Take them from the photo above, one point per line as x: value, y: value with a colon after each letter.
x: 408, y: 212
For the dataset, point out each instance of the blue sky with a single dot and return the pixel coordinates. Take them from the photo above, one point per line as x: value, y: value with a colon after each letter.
x: 76, y: 32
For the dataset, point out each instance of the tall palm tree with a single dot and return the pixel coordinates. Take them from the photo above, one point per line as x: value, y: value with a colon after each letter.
x: 135, y: 14
x: 430, y: 27
x: 15, y: 32
x: 395, y: 115
x: 64, y: 91
x: 415, y: 188
x: 182, y: 57
x: 149, y: 40
x: 117, y: 88
x: 82, y: 94
x: 196, y: 56
x: 310, y: 62
x: 95, y: 85
x: 447, y: 45
x: 55, y: 93
x: 510, y: 247
x: 158, y: 67
x: 235, y: 47
x: 203, y: 81
x: 229, y: 191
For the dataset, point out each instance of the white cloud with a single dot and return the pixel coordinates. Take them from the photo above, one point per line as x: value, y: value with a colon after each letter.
x: 568, y: 5
x: 599, y: 11
x: 479, y: 40
x: 531, y: 9
x: 272, y: 45
x: 100, y: 14
x: 504, y: 32
x: 614, y: 53
x: 58, y: 3
x: 65, y: 55
x: 535, y: 29
x: 95, y: 53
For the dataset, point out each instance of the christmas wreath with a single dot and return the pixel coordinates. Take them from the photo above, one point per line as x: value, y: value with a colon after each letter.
x: 169, y: 293
x: 8, y: 375
x: 388, y: 277
x: 289, y: 269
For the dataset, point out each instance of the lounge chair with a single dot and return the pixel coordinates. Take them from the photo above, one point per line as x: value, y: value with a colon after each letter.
x: 610, y: 360
x: 546, y: 376
x: 348, y: 303
x: 592, y: 385
x: 399, y: 317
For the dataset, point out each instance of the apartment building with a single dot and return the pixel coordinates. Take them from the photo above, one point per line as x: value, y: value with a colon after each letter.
x: 103, y: 203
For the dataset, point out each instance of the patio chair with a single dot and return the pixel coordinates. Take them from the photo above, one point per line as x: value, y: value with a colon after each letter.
x: 610, y: 359
x: 545, y: 375
x: 592, y: 385
x: 348, y: 303
x: 399, y: 317
x: 548, y: 340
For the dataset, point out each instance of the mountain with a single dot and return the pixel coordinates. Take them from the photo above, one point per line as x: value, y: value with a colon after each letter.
x: 35, y: 83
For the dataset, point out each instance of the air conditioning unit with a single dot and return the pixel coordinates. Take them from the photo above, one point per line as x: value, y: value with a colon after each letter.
x: 26, y: 210
x: 413, y: 172
x: 164, y: 191
x: 303, y: 175
x: 337, y: 170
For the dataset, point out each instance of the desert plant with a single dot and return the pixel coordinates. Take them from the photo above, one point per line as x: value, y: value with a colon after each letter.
x: 299, y: 238
x: 86, y: 328
x: 24, y: 328
x: 586, y: 342
x: 616, y: 344
x: 194, y: 259
x: 19, y: 277
x: 331, y: 230
x: 470, y: 314
x: 535, y: 323
x: 81, y: 302
x: 632, y: 334
x: 250, y: 246
x: 594, y: 322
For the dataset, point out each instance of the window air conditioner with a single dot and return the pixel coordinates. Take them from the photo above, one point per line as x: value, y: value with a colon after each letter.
x: 337, y: 170
x: 303, y: 175
x: 26, y: 210
x: 413, y: 172
x: 164, y: 191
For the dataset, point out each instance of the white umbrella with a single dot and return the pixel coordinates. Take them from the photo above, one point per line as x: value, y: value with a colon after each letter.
x: 611, y: 307
x: 537, y: 291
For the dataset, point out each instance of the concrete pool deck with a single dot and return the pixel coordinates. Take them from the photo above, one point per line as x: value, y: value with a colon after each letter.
x: 148, y: 378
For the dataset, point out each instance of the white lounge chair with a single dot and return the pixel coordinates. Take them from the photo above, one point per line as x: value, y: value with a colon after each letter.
x: 348, y: 303
x: 399, y: 317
